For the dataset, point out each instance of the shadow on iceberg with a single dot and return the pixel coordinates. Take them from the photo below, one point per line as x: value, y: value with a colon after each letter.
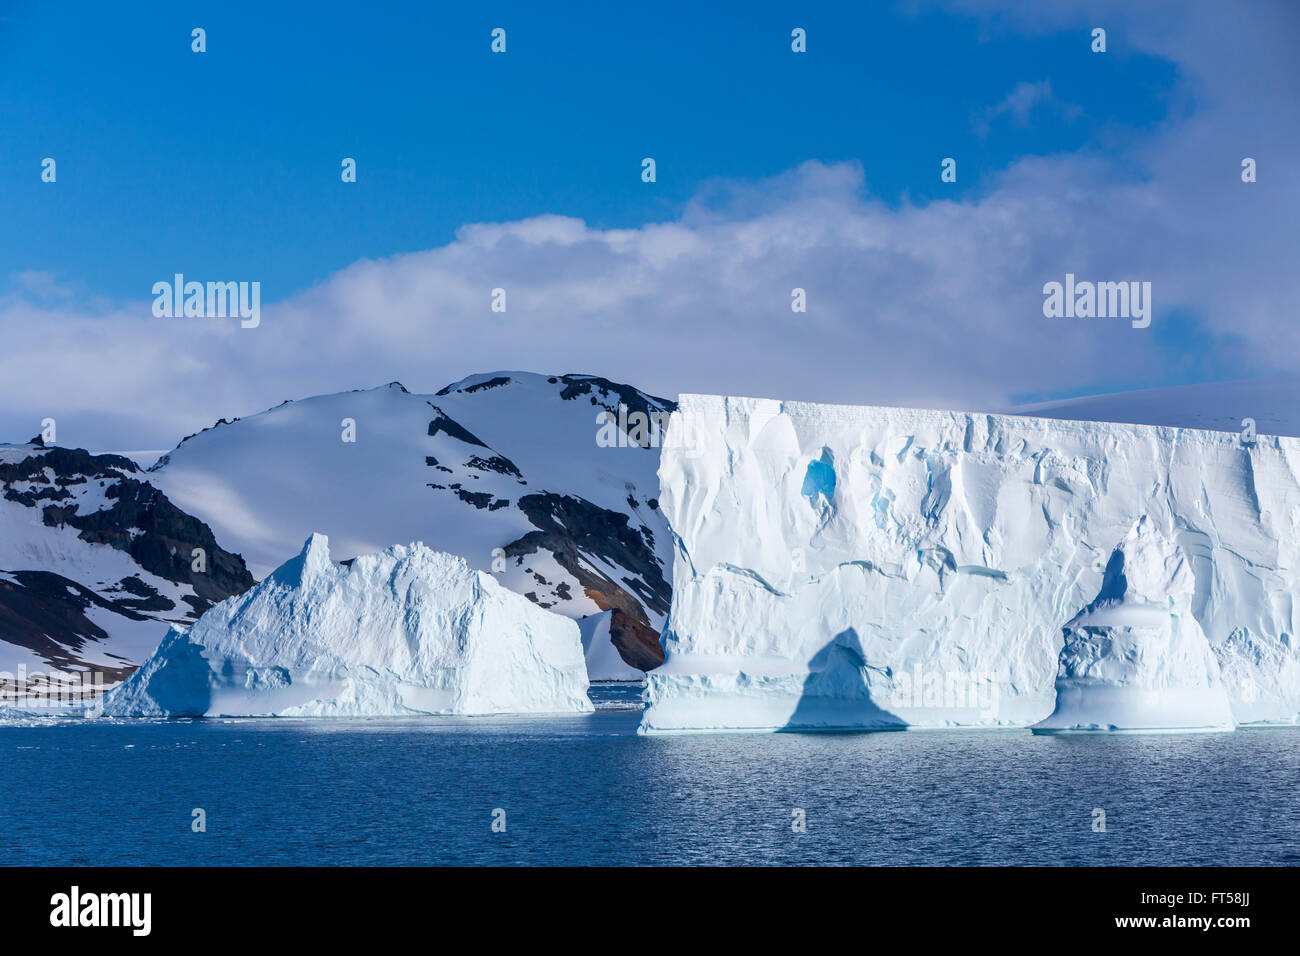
x: 835, y: 694
x: 174, y: 682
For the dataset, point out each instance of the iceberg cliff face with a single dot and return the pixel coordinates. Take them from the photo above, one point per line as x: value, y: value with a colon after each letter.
x: 1136, y: 658
x: 882, y: 567
x: 405, y: 631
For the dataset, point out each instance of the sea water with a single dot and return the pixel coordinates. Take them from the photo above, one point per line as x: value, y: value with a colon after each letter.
x: 589, y: 790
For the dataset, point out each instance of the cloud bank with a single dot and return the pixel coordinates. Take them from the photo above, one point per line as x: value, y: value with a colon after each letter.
x: 936, y: 304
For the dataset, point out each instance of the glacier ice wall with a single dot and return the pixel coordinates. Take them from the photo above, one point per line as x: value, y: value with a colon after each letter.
x: 887, y: 567
x: 1136, y: 659
x: 406, y: 631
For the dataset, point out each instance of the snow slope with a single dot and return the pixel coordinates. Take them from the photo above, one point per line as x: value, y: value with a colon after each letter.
x: 92, y: 552
x: 1273, y: 404
x: 95, y: 562
x: 504, y: 469
x: 1136, y: 657
x: 405, y: 631
x: 603, y: 660
x: 846, y: 566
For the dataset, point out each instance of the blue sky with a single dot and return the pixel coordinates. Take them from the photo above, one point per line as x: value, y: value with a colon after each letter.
x: 775, y: 170
x: 227, y: 163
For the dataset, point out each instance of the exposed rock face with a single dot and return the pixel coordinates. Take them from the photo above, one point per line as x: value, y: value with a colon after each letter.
x: 570, y: 526
x: 93, y: 557
x: 405, y: 631
x: 46, y: 614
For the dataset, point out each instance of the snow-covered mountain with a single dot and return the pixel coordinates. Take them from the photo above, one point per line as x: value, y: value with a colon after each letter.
x: 406, y: 631
x: 1272, y: 404
x: 95, y: 561
x: 511, y: 471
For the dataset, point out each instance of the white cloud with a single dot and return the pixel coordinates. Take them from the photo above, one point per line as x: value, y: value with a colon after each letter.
x: 1020, y: 104
x: 937, y: 304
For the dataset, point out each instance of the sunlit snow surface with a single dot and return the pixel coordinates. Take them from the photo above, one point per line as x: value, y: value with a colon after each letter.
x: 1136, y: 659
x: 406, y: 631
x: 932, y: 586
x: 265, y: 482
x: 1271, y: 405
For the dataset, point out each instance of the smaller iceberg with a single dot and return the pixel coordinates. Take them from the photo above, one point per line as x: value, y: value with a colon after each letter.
x: 406, y: 631
x: 1135, y: 659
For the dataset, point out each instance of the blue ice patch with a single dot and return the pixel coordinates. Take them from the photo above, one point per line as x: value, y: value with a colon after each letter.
x: 819, y: 479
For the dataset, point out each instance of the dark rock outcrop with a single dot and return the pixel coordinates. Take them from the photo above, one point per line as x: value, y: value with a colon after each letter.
x: 574, y: 530
x: 106, y: 501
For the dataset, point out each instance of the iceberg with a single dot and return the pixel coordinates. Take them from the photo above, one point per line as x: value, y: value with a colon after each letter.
x: 878, y: 568
x: 500, y: 468
x: 406, y: 631
x: 1136, y: 659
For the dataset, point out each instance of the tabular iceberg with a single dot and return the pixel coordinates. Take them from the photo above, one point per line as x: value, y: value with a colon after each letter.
x: 1136, y: 658
x: 871, y: 567
x: 405, y: 631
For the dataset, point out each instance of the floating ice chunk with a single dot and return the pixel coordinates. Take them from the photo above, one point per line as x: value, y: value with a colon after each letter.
x: 405, y: 631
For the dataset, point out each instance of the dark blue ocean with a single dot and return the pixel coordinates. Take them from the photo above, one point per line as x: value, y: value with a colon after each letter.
x: 588, y: 790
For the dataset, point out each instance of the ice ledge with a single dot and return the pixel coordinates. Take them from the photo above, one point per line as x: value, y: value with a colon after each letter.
x: 796, y: 523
